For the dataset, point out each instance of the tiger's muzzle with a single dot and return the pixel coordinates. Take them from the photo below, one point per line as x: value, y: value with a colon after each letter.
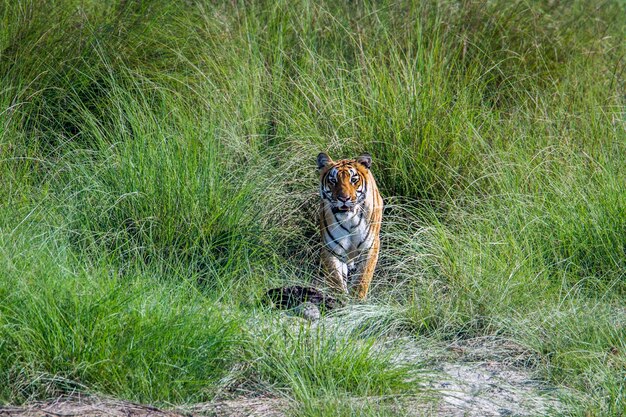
x: 343, y: 205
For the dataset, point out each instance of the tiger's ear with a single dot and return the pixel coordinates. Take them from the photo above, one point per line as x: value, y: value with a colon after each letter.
x: 322, y: 160
x: 365, y: 160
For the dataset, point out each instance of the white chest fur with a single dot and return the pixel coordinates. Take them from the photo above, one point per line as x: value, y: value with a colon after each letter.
x: 348, y: 233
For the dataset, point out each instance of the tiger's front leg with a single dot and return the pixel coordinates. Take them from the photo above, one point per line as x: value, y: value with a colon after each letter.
x: 336, y: 272
x: 366, y: 270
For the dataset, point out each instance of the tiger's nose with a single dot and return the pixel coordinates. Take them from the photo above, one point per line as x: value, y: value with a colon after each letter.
x: 343, y: 199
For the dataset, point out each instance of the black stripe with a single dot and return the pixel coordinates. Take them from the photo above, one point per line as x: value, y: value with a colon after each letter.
x: 324, y: 193
x: 322, y: 184
x: 370, y: 247
x: 325, y: 176
x: 325, y: 196
x: 330, y: 234
x: 361, y: 195
x: 340, y: 224
x: 360, y: 219
x: 336, y: 255
x: 365, y: 190
x: 344, y: 227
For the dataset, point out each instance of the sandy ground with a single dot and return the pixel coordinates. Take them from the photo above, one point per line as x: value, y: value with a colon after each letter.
x: 99, y: 407
x: 490, y: 377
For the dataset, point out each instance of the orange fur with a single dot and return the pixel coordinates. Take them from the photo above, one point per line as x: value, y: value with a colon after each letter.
x: 350, y: 219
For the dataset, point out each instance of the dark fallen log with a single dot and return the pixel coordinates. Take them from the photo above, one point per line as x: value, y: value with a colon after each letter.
x: 290, y: 297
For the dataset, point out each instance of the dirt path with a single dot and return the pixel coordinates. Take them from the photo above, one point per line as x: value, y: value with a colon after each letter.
x: 489, y: 377
x: 99, y: 407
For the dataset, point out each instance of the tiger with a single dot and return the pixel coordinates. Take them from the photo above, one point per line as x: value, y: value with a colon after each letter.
x: 350, y: 219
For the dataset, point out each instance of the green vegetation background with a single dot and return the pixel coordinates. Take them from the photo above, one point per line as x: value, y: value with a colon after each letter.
x: 157, y: 174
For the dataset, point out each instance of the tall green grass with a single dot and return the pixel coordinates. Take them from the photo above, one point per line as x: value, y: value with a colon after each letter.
x: 68, y: 326
x: 156, y: 175
x: 325, y: 362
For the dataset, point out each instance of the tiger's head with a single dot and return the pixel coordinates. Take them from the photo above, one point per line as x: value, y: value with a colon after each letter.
x: 343, y: 184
